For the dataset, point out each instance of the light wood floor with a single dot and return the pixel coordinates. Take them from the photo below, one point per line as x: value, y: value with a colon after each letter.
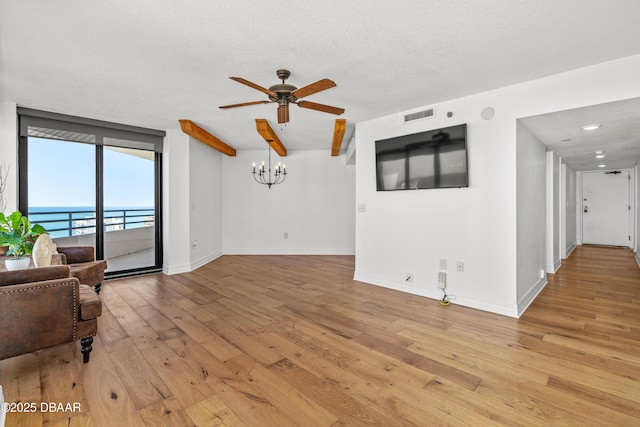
x: 294, y: 341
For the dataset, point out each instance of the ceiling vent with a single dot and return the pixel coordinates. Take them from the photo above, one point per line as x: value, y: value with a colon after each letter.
x: 420, y: 115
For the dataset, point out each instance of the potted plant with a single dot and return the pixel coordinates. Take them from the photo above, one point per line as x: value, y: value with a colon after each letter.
x: 18, y: 234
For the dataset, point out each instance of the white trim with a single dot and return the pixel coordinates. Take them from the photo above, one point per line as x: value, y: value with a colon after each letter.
x: 530, y: 296
x: 280, y: 251
x: 638, y: 258
x: 631, y: 201
x: 436, y: 294
x: 557, y: 265
x: 204, y: 260
x: 570, y: 250
x: 175, y: 269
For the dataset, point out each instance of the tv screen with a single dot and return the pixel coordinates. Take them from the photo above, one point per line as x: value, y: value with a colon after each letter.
x: 432, y: 159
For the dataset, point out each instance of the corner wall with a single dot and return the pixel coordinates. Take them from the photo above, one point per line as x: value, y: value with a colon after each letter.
x: 637, y: 207
x: 205, y: 199
x: 534, y: 219
x: 570, y: 208
x: 176, y: 217
x: 314, y: 205
x: 553, y: 259
x: 409, y: 231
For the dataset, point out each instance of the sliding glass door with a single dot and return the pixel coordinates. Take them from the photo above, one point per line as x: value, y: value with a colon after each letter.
x: 93, y: 185
x: 129, y: 218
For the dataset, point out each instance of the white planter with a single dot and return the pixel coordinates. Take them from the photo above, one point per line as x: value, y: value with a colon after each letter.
x: 17, y: 263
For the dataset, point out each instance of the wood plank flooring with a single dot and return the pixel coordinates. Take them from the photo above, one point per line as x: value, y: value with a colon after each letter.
x: 294, y: 341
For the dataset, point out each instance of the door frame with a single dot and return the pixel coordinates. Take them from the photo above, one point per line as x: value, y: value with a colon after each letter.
x: 632, y: 203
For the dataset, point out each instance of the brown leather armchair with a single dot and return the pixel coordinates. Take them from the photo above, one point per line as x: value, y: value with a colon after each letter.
x: 45, y: 307
x: 83, y: 264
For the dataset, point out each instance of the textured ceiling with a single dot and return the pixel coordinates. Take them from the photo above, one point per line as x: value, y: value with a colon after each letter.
x: 149, y: 63
x: 618, y: 137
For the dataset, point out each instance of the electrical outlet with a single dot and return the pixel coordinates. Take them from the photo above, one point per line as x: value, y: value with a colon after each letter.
x: 286, y: 235
x: 460, y: 266
x: 362, y: 208
x: 409, y: 277
x: 443, y: 264
x: 542, y: 274
x: 442, y: 279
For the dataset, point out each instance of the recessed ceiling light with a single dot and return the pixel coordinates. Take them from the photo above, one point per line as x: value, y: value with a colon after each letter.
x: 592, y: 126
x: 600, y: 156
x: 599, y: 152
x: 602, y: 166
x: 565, y: 140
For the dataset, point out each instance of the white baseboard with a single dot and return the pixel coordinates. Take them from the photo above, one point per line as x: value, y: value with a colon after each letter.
x: 303, y: 251
x: 557, y: 265
x: 571, y: 248
x: 638, y: 258
x: 186, y: 268
x: 436, y: 294
x: 531, y: 295
x: 204, y: 260
x: 176, y: 269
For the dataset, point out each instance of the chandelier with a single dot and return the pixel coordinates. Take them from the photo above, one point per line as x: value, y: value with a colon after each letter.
x: 264, y: 176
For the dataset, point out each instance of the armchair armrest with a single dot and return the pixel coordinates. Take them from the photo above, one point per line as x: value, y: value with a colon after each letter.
x: 78, y: 254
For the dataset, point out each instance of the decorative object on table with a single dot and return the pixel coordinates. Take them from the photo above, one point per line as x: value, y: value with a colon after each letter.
x: 18, y: 234
x: 43, y: 250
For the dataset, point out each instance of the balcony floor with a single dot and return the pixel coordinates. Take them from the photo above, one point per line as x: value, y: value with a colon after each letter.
x: 143, y: 258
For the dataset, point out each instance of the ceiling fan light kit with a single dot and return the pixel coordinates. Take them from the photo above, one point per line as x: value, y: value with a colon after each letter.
x: 285, y: 94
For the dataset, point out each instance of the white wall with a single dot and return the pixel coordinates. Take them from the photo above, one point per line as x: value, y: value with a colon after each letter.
x: 636, y: 170
x: 570, y: 211
x: 176, y: 215
x: 532, y: 209
x: 553, y: 259
x: 314, y: 205
x: 410, y: 231
x: 205, y: 199
x: 9, y: 152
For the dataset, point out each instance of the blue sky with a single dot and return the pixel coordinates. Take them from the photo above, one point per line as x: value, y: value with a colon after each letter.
x: 63, y: 174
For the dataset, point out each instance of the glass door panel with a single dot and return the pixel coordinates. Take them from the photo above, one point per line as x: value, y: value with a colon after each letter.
x: 62, y: 190
x: 129, y: 208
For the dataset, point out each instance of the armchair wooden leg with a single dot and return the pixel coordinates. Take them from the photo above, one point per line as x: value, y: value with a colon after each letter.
x: 86, y: 348
x: 97, y: 288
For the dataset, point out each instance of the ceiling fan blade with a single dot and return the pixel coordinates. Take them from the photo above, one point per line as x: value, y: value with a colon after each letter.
x: 321, y: 107
x: 253, y: 85
x: 244, y: 104
x: 316, y: 87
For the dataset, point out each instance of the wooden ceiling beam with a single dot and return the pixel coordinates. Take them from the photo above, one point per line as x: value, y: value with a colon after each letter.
x: 270, y: 136
x: 338, y: 136
x: 205, y: 137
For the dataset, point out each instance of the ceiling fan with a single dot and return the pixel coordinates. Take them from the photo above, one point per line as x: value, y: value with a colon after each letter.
x: 285, y: 94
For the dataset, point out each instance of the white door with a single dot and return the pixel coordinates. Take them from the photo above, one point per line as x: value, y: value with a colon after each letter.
x: 605, y: 208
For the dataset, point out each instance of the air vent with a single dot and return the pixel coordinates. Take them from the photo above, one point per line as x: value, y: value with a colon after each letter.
x: 419, y: 115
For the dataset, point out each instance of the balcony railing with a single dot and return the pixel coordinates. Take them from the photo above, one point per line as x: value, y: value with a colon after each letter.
x: 67, y: 223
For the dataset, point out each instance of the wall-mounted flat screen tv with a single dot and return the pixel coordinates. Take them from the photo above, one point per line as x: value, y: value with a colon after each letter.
x: 432, y: 159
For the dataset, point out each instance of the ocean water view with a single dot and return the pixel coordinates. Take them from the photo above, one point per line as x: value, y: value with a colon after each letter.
x: 66, y: 221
